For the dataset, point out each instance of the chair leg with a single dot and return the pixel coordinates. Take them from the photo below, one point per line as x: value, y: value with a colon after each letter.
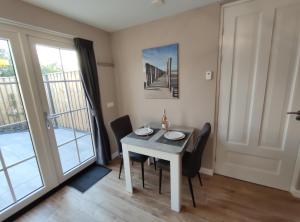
x: 160, y: 178
x: 200, y: 179
x: 191, y: 190
x: 142, y: 165
x: 154, y: 161
x: 121, y: 166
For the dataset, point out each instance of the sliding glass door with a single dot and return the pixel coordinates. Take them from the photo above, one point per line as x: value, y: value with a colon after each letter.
x: 65, y: 105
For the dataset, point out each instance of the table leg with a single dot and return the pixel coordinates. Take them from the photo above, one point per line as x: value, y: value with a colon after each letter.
x: 175, y: 169
x: 126, y: 160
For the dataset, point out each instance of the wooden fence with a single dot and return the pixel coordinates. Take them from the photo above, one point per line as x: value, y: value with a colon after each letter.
x: 65, y: 96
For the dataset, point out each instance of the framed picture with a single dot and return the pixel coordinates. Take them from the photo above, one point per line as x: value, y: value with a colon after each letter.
x: 161, y: 72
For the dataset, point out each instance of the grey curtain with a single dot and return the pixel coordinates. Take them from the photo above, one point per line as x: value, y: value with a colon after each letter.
x: 89, y: 77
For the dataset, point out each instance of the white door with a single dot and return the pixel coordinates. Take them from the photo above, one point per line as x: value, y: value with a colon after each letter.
x: 65, y: 106
x: 259, y: 82
x: 24, y: 172
x: 45, y: 133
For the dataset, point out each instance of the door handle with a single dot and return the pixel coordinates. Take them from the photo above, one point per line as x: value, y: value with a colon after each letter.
x: 47, y: 120
x: 295, y: 113
x: 50, y: 119
x: 53, y: 116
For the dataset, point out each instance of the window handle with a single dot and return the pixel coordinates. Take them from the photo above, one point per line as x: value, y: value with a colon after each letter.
x: 295, y: 113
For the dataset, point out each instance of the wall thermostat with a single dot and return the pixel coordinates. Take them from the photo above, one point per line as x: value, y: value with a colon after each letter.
x: 208, y: 75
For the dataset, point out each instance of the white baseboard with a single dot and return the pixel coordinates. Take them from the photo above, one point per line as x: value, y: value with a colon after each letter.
x: 207, y: 171
x: 114, y: 155
x: 295, y: 193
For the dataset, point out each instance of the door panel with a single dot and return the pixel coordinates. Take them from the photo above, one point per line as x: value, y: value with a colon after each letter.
x: 244, y: 51
x: 17, y: 150
x: 64, y: 104
x: 280, y: 76
x: 259, y: 79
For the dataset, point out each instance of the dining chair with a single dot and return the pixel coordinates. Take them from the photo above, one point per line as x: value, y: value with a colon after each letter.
x: 191, y: 161
x: 121, y: 127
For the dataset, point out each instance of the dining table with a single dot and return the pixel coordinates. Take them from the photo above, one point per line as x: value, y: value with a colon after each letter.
x: 157, y: 146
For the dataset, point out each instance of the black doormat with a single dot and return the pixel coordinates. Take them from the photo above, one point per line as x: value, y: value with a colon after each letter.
x: 87, y: 178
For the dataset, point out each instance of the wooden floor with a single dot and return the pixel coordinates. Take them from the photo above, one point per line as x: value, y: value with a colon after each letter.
x: 220, y: 199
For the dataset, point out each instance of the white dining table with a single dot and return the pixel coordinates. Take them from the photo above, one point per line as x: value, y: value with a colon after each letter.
x: 154, y: 147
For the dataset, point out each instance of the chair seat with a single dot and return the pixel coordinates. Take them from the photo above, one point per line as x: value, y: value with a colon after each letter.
x: 164, y: 164
x: 137, y: 157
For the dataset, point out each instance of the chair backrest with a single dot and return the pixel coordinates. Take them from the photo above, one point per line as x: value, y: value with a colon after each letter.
x: 121, y: 127
x: 196, y: 157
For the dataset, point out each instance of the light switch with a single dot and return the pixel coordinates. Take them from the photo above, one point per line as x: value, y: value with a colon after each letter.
x: 110, y: 104
x: 208, y: 75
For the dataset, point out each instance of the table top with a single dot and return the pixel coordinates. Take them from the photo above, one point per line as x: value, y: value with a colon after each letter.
x: 153, y: 142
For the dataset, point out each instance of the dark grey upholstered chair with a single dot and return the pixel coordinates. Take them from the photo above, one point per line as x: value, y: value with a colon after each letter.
x: 191, y: 161
x: 121, y: 127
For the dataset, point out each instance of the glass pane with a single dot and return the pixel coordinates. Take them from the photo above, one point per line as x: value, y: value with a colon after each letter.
x: 25, y: 178
x: 56, y: 95
x: 49, y: 59
x: 11, y: 107
x: 76, y: 95
x: 6, y: 63
x: 68, y: 156
x: 63, y: 129
x: 81, y: 122
x: 15, y: 143
x: 5, y: 195
x: 69, y: 61
x: 72, y: 76
x: 65, y: 92
x: 85, y: 147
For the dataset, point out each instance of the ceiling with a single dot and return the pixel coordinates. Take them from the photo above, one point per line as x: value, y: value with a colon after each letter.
x: 113, y: 15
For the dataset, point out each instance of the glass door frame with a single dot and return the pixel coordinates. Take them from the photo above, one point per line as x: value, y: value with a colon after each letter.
x: 27, y: 94
x: 28, y: 69
x: 61, y: 43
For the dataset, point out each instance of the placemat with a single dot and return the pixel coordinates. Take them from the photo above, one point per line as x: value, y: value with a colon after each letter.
x: 133, y: 135
x: 163, y: 140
